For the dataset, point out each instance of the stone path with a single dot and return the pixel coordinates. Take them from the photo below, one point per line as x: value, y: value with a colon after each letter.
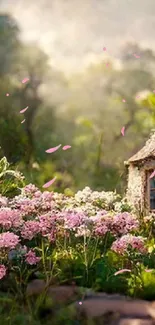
x: 104, y: 309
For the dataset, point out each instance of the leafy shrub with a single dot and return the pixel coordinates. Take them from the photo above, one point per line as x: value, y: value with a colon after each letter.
x: 10, y: 181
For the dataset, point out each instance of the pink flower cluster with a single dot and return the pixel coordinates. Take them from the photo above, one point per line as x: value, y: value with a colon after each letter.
x: 26, y: 206
x: 10, y: 218
x: 47, y: 222
x: 102, y: 225
x: 32, y: 202
x: 30, y: 229
x: 44, y: 225
x: 33, y: 217
x: 116, y: 224
x: 122, y: 244
x: 124, y: 223
x: 9, y: 240
x: 73, y: 219
x: 2, y: 271
x: 31, y: 258
x: 30, y: 190
x: 3, y: 201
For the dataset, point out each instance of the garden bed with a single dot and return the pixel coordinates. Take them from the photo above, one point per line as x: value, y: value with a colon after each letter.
x: 91, y: 240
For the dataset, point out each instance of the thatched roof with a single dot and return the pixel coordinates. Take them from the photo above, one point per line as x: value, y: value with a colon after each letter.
x: 146, y: 152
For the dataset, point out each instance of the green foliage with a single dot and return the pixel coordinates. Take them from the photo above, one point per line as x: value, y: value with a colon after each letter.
x: 85, y: 111
x: 64, y: 183
x: 142, y: 284
x: 10, y: 181
x: 105, y: 280
x: 9, y: 43
x: 148, y: 281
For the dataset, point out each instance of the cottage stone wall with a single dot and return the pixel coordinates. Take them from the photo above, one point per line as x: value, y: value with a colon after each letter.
x: 137, y: 191
x: 135, y: 187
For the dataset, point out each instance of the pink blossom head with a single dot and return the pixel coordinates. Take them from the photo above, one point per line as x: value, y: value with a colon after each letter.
x: 47, y: 223
x: 103, y: 225
x: 122, y: 244
x: 3, y: 201
x: 2, y: 271
x: 123, y: 223
x: 31, y: 258
x: 30, y: 190
x: 52, y: 236
x: 74, y: 219
x: 10, y: 218
x: 30, y: 229
x: 9, y: 240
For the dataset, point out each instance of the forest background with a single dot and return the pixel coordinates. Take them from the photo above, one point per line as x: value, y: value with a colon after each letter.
x: 84, y: 107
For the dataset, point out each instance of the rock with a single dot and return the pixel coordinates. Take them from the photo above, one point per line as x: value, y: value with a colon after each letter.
x: 152, y: 310
x: 59, y: 294
x: 101, y: 295
x: 135, y: 321
x: 97, y: 307
x: 121, y: 310
x: 35, y: 287
x: 63, y: 294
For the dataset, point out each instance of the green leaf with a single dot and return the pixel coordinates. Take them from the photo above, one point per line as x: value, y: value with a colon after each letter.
x: 84, y: 122
x: 3, y: 166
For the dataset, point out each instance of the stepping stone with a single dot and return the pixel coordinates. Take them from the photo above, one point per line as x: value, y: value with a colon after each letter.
x: 135, y: 321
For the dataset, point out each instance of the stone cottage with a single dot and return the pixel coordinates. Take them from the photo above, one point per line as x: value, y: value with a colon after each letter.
x: 141, y: 188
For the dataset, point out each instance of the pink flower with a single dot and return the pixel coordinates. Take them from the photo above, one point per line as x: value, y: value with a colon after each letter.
x: 101, y: 229
x: 30, y: 190
x: 47, y: 202
x: 2, y: 271
x: 123, y: 223
x: 122, y: 271
x: 98, y: 217
x: 52, y: 236
x: 10, y: 218
x: 34, y: 203
x: 122, y: 244
x: 47, y: 223
x: 30, y: 229
x: 31, y: 258
x: 148, y: 270
x: 8, y: 240
x: 103, y: 224
x: 118, y: 224
x: 74, y: 219
x: 26, y: 206
x: 3, y: 201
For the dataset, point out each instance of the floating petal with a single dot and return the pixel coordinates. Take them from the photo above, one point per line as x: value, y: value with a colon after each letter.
x: 66, y: 147
x: 53, y: 149
x: 122, y: 271
x: 24, y: 110
x: 49, y: 183
x: 25, y: 80
x: 123, y: 130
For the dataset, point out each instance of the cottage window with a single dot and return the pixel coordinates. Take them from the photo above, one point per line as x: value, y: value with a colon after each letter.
x: 152, y: 193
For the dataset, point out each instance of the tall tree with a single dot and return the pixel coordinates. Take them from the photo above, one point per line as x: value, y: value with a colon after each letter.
x: 32, y: 64
x: 9, y: 43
